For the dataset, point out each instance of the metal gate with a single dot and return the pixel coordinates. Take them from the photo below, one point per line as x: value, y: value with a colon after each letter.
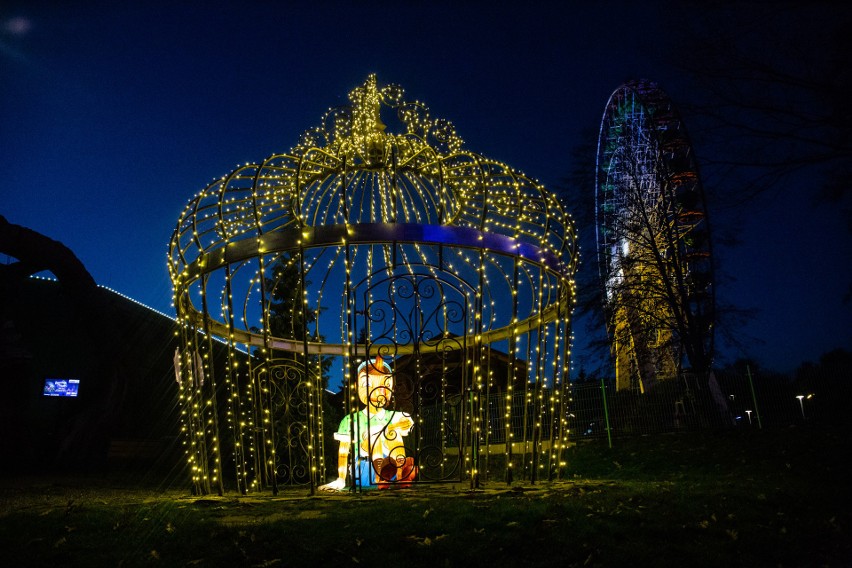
x: 420, y: 323
x: 285, y: 435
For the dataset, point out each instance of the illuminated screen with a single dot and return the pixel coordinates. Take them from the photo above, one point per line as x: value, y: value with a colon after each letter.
x: 61, y: 387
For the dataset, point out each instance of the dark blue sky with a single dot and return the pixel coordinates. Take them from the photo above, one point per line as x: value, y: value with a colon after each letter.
x: 112, y: 117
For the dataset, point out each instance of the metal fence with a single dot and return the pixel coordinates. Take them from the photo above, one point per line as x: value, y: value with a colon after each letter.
x: 720, y: 400
x: 524, y: 436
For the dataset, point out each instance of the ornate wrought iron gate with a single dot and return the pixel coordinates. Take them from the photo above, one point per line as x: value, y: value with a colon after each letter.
x: 418, y: 321
x: 287, y: 421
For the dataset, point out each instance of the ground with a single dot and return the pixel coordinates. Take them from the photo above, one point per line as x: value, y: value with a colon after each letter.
x: 756, y: 498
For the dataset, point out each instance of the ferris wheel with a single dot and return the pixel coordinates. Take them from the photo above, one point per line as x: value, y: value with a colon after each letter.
x: 653, y: 239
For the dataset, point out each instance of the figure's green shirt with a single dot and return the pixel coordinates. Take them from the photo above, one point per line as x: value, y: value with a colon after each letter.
x: 373, y: 425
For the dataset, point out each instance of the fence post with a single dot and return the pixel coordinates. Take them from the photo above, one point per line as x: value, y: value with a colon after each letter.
x: 754, y: 398
x: 606, y: 413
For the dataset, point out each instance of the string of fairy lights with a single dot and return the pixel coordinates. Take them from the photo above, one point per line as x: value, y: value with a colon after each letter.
x: 400, y: 241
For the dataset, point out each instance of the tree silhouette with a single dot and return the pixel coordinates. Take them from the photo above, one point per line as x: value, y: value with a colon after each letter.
x: 290, y: 317
x: 771, y: 92
x: 653, y: 240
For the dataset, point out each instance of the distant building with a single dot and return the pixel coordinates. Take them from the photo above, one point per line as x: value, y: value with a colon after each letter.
x: 117, y: 354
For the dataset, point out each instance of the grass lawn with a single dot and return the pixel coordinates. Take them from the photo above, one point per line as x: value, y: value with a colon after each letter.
x: 738, y: 498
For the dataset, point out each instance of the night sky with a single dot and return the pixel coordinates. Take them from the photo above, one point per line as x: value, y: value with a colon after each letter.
x: 112, y: 117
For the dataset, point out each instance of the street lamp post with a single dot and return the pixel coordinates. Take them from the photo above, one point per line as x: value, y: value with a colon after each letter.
x: 801, y: 404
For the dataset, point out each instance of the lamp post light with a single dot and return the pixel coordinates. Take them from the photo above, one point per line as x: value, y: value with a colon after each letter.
x: 749, y: 416
x: 801, y: 404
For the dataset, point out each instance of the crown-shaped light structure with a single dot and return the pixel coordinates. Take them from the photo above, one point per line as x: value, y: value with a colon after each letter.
x: 355, y: 180
x: 381, y: 235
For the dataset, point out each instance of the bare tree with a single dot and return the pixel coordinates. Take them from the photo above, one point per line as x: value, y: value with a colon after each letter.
x: 577, y: 190
x: 655, y: 294
x: 771, y: 89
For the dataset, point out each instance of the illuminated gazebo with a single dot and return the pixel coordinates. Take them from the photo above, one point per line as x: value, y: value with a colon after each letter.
x: 378, y: 234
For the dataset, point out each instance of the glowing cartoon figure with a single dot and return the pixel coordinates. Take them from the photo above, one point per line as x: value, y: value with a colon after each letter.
x: 377, y: 432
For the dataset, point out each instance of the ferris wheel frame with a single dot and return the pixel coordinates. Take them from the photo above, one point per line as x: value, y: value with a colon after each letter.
x: 642, y: 131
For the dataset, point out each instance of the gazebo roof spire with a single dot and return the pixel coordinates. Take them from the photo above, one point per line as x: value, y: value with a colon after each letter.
x: 366, y: 102
x: 367, y: 129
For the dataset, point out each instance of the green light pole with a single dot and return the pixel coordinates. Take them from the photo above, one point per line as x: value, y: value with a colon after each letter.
x: 606, y: 413
x: 753, y: 398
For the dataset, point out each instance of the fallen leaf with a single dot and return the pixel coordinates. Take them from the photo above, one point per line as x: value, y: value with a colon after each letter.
x: 732, y: 533
x: 154, y: 555
x: 512, y: 524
